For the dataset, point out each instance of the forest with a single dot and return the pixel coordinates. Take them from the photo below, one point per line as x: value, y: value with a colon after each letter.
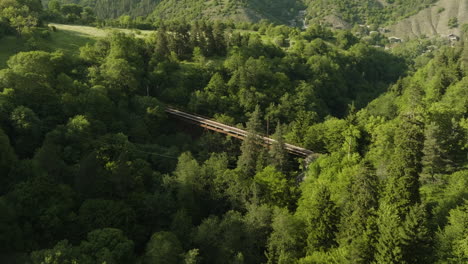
x: 377, y: 12
x: 92, y: 169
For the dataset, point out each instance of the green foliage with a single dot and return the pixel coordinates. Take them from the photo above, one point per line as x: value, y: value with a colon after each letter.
x: 11, y: 235
x: 358, y: 228
x: 403, y: 184
x: 107, y: 245
x: 448, y: 196
x: 368, y: 12
x: 221, y: 240
x: 319, y: 213
x: 7, y: 161
x: 247, y: 162
x: 106, y: 213
x: 273, y: 186
x: 163, y: 248
x: 191, y: 257
x: 20, y: 17
x: 451, y: 241
x: 277, y: 151
x: 453, y: 22
x: 287, y: 241
x: 45, y: 207
x: 62, y: 252
x: 89, y: 155
x: 277, y: 10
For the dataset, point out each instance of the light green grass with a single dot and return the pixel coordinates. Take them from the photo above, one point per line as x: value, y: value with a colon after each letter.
x: 99, y: 32
x: 68, y: 38
x: 67, y: 41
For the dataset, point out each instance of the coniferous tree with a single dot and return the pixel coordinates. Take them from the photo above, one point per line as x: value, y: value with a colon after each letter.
x: 433, y: 160
x: 161, y: 48
x: 389, y: 245
x: 319, y: 213
x: 219, y: 38
x: 452, y: 241
x: 287, y: 240
x: 416, y: 237
x: 358, y: 228
x: 397, y: 242
x: 402, y: 189
x: 278, y: 154
x: 188, y: 174
x: 251, y: 147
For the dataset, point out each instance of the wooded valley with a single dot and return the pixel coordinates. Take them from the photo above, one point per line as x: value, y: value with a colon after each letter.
x: 93, y: 170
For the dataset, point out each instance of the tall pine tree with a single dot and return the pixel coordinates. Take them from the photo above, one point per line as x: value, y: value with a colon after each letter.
x: 402, y: 189
x: 278, y: 154
x: 358, y: 228
x: 251, y: 148
x: 403, y: 231
x: 319, y: 213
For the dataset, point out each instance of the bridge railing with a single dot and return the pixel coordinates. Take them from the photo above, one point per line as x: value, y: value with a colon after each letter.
x: 233, y: 131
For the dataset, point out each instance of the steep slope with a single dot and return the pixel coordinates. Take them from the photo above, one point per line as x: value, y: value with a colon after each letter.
x: 434, y: 20
x: 335, y: 12
x: 114, y: 8
x: 279, y: 11
x: 363, y: 11
x: 197, y: 9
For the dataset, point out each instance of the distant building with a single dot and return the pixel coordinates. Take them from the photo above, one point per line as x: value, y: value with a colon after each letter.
x: 453, y: 37
x: 395, y: 40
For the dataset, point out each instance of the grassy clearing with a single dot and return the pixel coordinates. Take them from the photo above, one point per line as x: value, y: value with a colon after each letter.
x: 99, y: 32
x: 68, y: 38
x: 67, y: 41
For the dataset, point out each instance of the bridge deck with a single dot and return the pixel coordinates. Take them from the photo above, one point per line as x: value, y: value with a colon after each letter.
x: 232, y: 131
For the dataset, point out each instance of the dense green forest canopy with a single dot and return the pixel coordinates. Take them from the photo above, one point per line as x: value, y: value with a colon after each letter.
x: 275, y: 11
x: 365, y: 11
x: 92, y: 170
x: 279, y: 11
x: 19, y: 16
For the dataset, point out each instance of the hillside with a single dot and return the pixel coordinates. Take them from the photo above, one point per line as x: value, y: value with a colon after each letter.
x: 67, y: 39
x: 114, y: 8
x: 335, y: 12
x: 279, y: 11
x: 434, y: 20
x: 94, y: 169
x: 95, y: 172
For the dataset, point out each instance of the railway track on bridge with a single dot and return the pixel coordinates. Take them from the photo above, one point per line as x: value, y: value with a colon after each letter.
x: 233, y: 131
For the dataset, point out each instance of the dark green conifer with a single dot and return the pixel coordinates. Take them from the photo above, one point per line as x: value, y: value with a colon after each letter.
x: 251, y: 147
x: 278, y: 154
